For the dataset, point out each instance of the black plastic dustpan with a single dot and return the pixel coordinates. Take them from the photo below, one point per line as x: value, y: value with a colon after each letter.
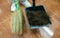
x: 37, y: 16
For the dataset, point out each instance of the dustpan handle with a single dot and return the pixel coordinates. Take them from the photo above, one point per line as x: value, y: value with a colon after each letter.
x: 33, y: 3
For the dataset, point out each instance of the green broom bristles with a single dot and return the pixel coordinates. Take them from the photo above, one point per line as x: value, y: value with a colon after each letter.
x: 13, y: 22
x: 16, y: 21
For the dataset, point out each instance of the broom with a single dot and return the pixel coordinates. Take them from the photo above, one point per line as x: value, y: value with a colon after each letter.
x: 16, y: 20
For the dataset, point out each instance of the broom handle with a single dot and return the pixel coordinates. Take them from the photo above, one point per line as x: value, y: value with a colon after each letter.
x: 33, y: 3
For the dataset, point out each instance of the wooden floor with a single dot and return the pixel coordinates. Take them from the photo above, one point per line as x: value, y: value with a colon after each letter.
x: 53, y: 10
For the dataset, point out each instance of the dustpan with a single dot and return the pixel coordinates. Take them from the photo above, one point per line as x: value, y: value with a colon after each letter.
x: 37, y: 16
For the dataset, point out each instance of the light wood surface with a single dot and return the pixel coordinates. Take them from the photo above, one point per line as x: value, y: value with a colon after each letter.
x: 53, y: 10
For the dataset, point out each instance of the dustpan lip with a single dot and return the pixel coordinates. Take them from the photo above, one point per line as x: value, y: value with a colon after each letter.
x: 42, y: 25
x: 38, y: 26
x: 48, y: 24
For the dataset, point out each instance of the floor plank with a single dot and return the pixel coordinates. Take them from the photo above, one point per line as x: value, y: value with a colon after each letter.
x: 53, y: 10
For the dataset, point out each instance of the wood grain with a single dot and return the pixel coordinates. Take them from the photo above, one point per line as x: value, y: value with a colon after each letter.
x: 52, y: 8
